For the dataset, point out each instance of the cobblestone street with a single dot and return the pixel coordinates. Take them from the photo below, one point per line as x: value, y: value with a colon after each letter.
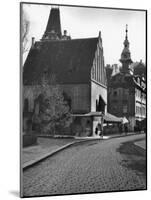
x: 93, y: 166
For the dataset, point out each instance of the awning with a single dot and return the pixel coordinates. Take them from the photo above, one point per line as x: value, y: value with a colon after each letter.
x: 111, y: 118
x: 95, y: 114
x: 125, y: 120
x: 90, y: 114
x: 107, y: 117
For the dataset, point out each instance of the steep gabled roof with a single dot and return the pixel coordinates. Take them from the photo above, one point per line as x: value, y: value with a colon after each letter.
x: 70, y: 61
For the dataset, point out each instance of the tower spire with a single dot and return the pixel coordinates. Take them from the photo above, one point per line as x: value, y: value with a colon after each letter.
x: 126, y: 31
x: 53, y: 28
x: 126, y: 55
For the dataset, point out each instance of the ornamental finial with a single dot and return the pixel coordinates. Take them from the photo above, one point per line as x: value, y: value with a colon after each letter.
x: 126, y: 30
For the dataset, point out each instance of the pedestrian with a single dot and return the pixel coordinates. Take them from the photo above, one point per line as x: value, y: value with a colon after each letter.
x: 121, y: 128
x: 96, y: 130
x: 126, y: 129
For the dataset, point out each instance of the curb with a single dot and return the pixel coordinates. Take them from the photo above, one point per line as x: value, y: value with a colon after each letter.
x: 41, y: 158
x: 139, y: 149
x: 119, y: 136
x: 135, y: 143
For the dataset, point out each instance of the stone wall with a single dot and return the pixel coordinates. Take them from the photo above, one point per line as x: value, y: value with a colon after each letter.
x: 79, y: 94
x: 80, y: 97
x: 121, y: 102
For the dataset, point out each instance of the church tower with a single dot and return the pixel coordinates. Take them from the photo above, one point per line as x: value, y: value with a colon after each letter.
x: 53, y: 28
x: 126, y: 55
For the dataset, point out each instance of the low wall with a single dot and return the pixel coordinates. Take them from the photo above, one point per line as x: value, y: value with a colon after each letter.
x: 29, y: 140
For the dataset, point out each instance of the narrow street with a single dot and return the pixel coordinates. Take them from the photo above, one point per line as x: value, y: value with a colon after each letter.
x: 94, y: 166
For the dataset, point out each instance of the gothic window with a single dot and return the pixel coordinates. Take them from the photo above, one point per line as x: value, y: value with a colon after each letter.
x: 95, y: 71
x: 96, y: 105
x: 101, y: 104
x: 99, y: 69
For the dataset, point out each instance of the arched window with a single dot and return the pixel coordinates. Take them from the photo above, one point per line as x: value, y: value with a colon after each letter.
x: 101, y: 104
x: 96, y: 105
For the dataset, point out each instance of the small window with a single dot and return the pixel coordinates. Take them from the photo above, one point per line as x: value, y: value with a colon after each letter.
x: 115, y: 93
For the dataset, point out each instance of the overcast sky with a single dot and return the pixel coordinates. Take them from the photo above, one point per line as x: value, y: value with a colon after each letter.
x: 87, y: 22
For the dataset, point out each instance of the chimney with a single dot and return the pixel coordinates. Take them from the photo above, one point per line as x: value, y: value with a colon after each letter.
x: 100, y: 34
x: 32, y: 41
x: 65, y: 32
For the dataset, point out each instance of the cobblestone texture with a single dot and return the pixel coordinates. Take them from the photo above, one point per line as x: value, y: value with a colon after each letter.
x: 44, y: 146
x: 95, y: 166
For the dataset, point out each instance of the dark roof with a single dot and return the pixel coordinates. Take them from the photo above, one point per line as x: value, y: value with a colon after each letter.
x: 140, y: 69
x: 124, y: 80
x: 70, y: 60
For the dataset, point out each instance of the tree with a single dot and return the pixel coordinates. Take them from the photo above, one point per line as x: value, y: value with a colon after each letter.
x: 54, y: 111
x: 25, y: 24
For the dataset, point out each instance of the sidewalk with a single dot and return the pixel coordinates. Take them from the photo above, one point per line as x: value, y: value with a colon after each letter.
x: 49, y: 146
x: 122, y: 134
x: 44, y: 148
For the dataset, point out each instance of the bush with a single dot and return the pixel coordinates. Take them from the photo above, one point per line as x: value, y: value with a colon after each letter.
x: 29, y: 139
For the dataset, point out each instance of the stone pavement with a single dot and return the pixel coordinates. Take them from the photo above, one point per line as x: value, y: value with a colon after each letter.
x: 49, y: 146
x: 141, y: 144
x: 44, y: 148
x: 95, y: 166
